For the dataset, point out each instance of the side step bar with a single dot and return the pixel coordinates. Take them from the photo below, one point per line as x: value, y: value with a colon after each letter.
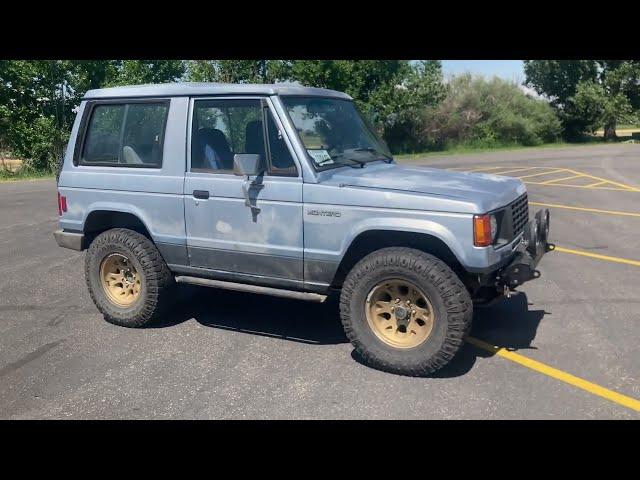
x: 242, y: 287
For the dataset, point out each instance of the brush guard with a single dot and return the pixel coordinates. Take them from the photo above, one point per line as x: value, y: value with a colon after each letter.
x: 533, y: 246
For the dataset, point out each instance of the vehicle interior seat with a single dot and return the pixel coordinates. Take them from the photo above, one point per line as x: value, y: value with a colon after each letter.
x: 130, y: 156
x: 217, y: 141
x: 102, y: 148
x: 254, y: 138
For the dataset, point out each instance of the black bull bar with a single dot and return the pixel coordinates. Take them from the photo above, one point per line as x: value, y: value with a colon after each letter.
x: 534, y: 244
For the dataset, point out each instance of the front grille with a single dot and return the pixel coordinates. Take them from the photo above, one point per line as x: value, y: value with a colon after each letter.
x: 519, y: 214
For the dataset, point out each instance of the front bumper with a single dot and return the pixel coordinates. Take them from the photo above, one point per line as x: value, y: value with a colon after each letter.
x: 533, y: 246
x: 72, y: 240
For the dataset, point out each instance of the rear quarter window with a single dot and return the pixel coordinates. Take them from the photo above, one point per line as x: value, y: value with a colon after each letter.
x: 125, y: 134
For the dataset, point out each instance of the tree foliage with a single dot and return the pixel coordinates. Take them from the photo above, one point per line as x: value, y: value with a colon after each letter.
x: 483, y: 112
x: 229, y: 71
x: 38, y: 99
x: 408, y: 103
x: 588, y: 94
x: 33, y: 113
x: 132, y: 72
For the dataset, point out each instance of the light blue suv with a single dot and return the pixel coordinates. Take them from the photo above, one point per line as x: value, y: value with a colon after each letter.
x: 286, y: 190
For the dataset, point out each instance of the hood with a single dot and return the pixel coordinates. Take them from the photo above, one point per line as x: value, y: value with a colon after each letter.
x: 487, y: 192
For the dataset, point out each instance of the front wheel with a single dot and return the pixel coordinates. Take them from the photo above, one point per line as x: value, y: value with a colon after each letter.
x: 405, y: 311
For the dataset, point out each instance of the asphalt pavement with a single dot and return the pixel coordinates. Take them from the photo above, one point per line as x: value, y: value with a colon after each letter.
x: 565, y: 348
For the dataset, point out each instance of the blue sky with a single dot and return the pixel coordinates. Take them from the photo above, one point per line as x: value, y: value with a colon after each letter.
x: 507, y: 69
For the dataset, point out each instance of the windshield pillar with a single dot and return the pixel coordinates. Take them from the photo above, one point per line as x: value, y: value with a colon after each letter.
x: 309, y: 174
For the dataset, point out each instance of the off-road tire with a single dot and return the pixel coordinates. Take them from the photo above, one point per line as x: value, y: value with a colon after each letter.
x: 450, y: 300
x: 158, y: 283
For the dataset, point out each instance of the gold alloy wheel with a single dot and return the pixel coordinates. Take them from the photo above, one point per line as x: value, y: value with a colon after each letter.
x: 120, y: 280
x: 399, y: 313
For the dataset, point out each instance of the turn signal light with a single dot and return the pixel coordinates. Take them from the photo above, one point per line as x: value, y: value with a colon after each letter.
x: 482, y: 236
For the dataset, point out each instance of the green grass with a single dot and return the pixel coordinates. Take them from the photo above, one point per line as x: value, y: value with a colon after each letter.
x: 465, y: 149
x: 22, y: 174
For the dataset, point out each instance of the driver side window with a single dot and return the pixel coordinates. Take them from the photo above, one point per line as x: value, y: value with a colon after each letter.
x: 222, y: 128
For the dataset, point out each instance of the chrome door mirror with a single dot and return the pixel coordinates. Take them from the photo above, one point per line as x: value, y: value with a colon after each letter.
x: 248, y: 164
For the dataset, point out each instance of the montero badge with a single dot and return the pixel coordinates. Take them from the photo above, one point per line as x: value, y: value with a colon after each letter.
x: 324, y: 213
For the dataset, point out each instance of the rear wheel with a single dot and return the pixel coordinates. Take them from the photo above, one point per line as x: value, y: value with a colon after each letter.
x: 405, y: 311
x: 127, y: 278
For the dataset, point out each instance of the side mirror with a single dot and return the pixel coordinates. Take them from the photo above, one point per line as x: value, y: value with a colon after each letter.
x: 247, y: 164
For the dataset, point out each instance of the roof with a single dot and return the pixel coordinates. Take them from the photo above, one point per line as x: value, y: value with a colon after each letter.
x: 194, y: 89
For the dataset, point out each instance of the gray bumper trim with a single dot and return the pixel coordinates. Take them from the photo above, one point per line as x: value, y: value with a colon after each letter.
x: 72, y: 240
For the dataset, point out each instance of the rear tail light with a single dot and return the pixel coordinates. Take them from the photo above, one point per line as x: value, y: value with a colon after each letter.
x: 482, y: 234
x: 62, y: 204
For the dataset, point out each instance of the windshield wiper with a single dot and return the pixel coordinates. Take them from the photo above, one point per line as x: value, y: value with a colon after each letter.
x: 387, y: 158
x: 361, y: 163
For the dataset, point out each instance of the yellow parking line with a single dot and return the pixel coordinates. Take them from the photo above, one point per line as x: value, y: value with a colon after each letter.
x: 565, y: 377
x: 591, y: 185
x: 548, y: 171
x: 582, y: 209
x: 555, y: 170
x: 485, y: 169
x: 617, y: 189
x: 548, y: 182
x: 622, y: 185
x: 608, y: 258
x: 514, y: 170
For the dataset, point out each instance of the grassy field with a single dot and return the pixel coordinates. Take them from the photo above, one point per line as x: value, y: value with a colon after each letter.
x: 12, y: 176
x: 22, y: 175
x: 8, y: 163
x: 10, y: 169
x: 462, y: 149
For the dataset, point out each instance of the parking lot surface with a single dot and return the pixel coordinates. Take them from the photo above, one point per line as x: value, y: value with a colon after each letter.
x: 564, y: 348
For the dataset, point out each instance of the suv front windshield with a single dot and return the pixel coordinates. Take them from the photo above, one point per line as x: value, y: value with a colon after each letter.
x: 334, y: 133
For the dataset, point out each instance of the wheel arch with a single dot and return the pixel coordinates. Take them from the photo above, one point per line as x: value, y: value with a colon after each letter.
x: 369, y: 241
x: 102, y: 218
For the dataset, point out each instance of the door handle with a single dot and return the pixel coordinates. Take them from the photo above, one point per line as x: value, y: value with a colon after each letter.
x: 201, y: 194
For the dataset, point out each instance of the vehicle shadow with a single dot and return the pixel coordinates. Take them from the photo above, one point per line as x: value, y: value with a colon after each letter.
x: 286, y: 319
x: 509, y: 323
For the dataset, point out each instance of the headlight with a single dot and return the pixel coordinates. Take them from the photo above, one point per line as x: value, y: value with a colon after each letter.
x: 494, y: 227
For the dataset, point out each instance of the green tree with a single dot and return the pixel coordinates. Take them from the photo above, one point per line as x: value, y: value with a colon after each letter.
x: 358, y: 78
x: 489, y: 112
x: 391, y: 93
x: 229, y: 71
x: 38, y: 99
x: 578, y: 89
x: 400, y: 105
x: 595, y: 106
x: 134, y: 72
x: 36, y: 102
